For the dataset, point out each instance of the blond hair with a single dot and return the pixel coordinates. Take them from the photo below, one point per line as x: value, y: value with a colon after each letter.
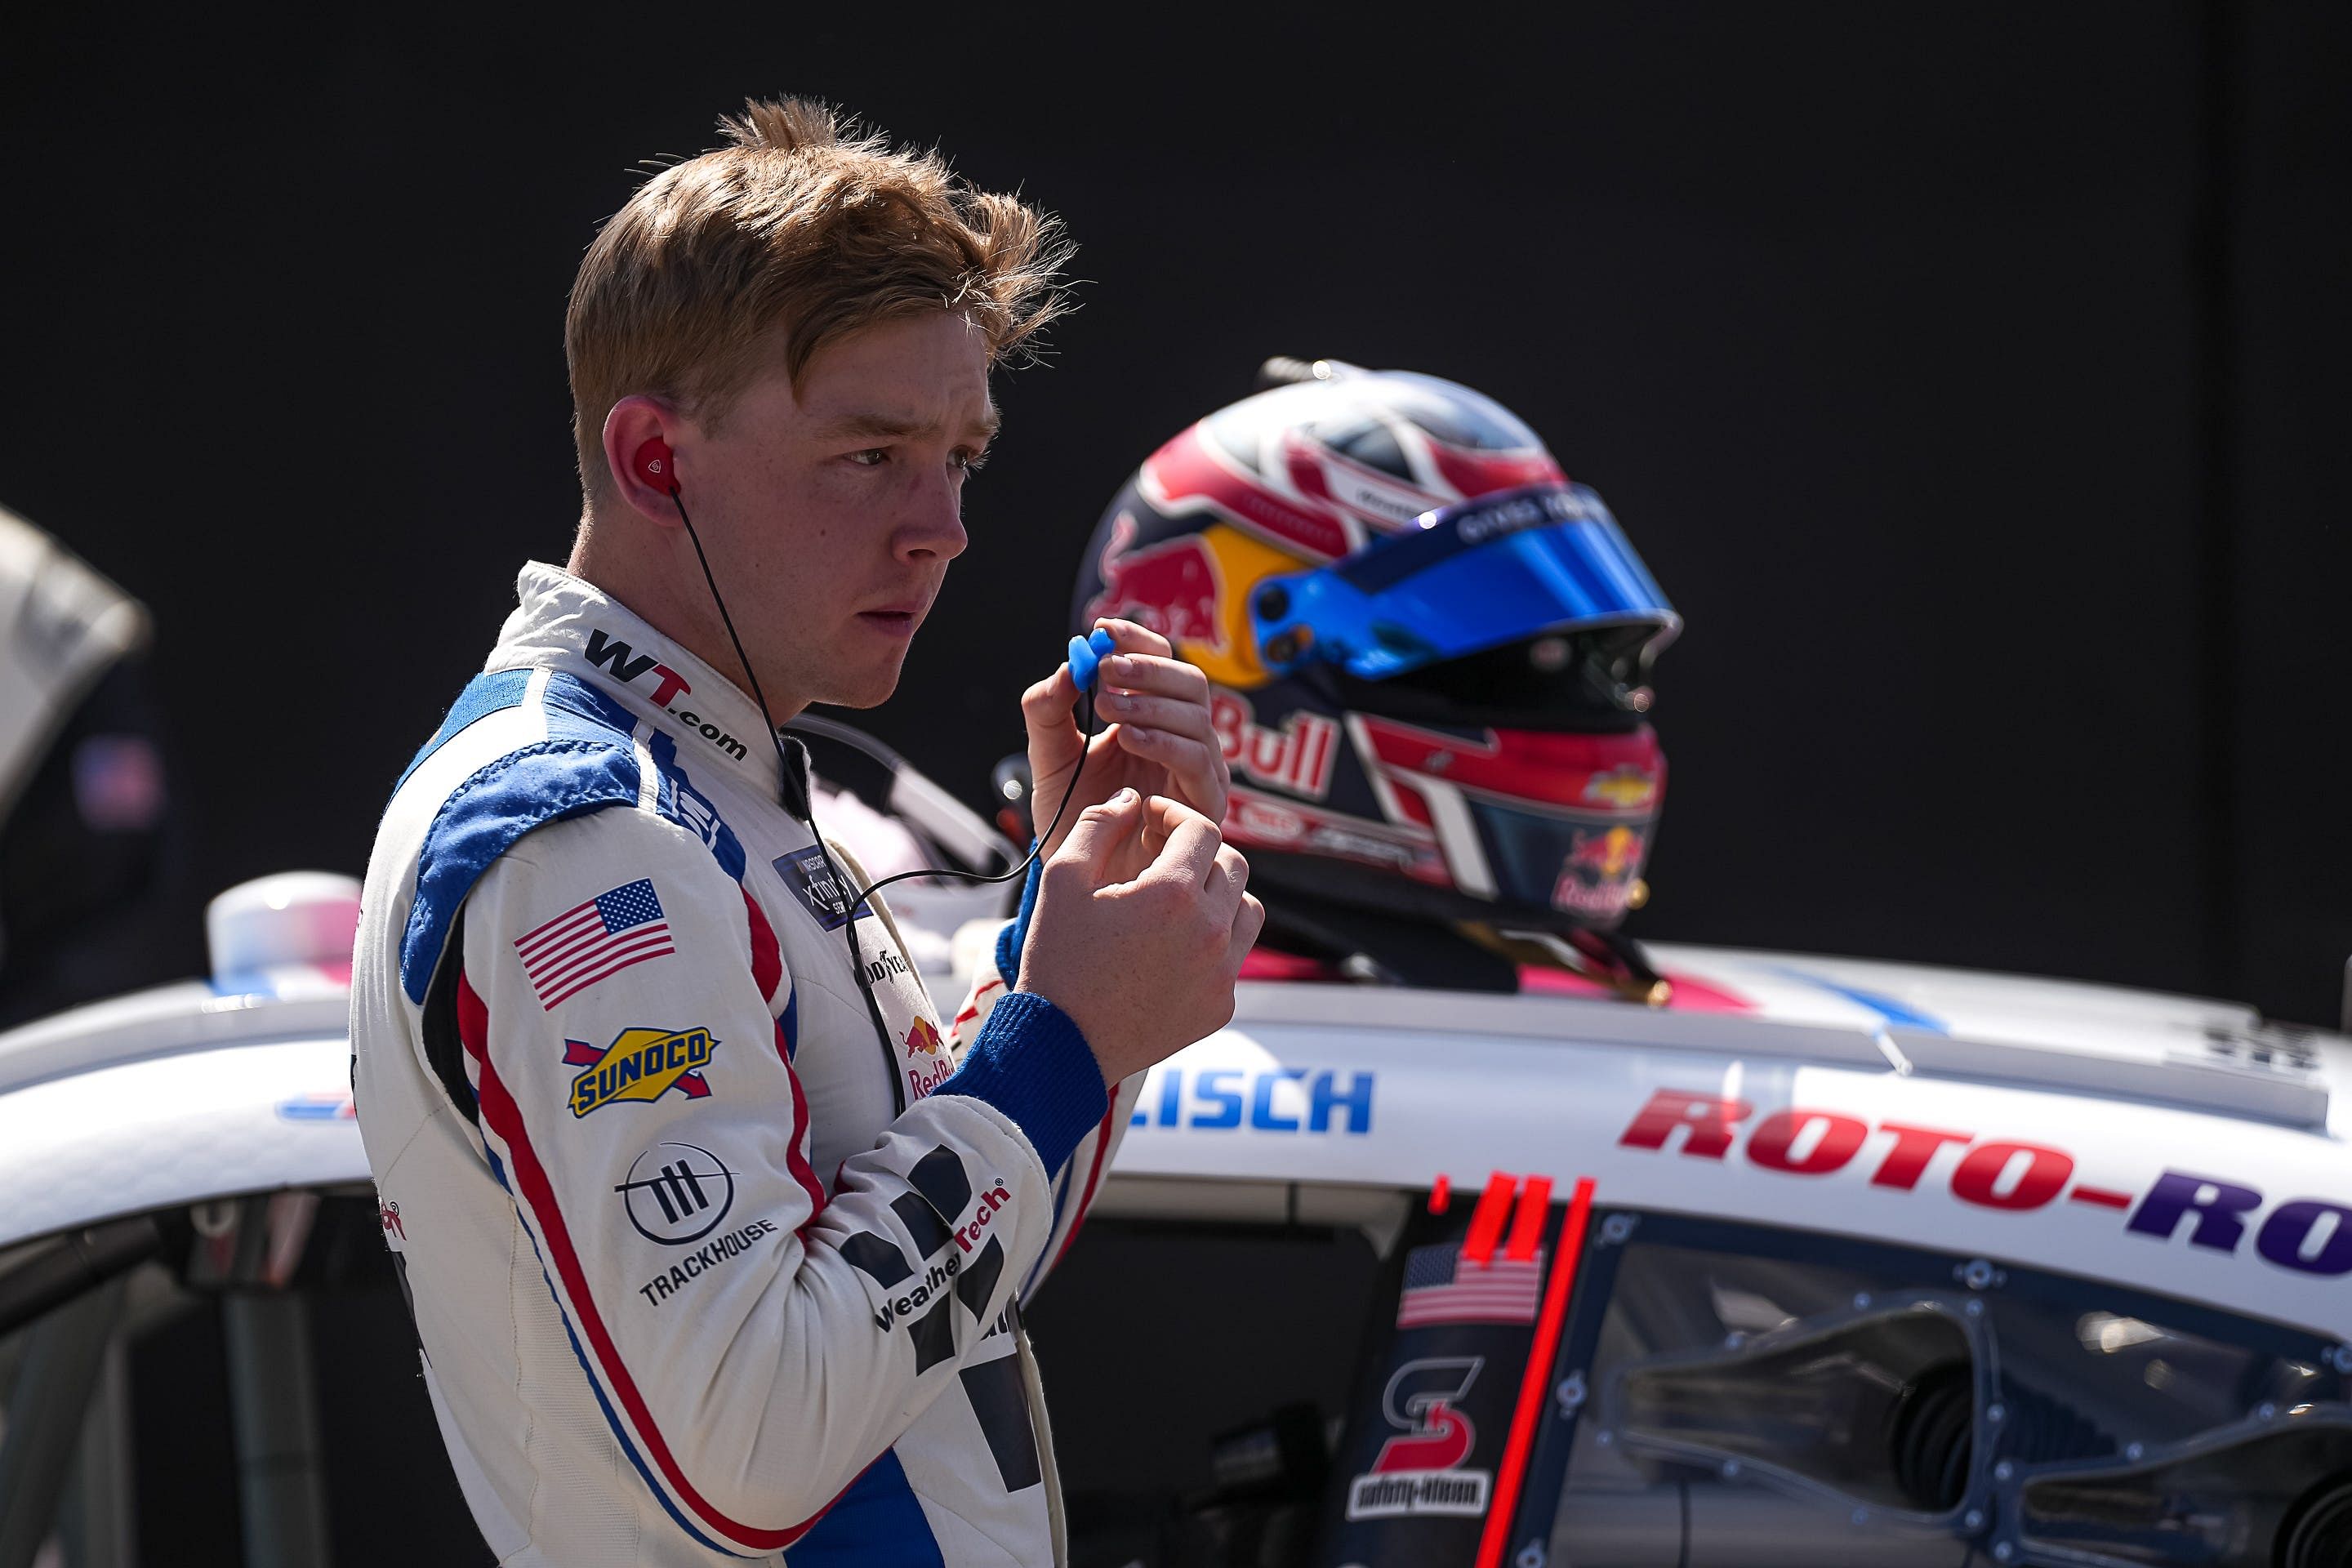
x: 802, y: 229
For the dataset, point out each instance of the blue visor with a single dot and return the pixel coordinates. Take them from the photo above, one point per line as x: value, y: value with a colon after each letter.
x: 1464, y: 578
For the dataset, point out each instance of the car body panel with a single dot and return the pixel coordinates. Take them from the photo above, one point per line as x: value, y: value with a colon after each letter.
x: 2071, y: 1127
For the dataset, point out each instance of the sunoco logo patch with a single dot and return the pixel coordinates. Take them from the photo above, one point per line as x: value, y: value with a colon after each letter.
x: 640, y: 1064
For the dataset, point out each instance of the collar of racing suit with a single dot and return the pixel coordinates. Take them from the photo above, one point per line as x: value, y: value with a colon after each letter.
x: 564, y: 622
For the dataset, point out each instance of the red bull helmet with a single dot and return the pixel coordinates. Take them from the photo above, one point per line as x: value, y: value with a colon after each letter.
x: 1430, y: 649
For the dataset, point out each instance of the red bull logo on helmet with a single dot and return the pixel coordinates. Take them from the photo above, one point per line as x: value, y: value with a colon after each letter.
x: 1173, y: 588
x: 1597, y: 879
x: 1296, y: 758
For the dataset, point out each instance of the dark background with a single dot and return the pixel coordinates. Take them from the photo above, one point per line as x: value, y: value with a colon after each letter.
x: 1973, y: 378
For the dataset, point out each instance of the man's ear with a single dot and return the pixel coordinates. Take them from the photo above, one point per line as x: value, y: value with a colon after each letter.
x: 632, y: 423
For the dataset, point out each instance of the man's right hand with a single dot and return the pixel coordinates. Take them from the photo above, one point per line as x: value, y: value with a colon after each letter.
x: 1142, y: 923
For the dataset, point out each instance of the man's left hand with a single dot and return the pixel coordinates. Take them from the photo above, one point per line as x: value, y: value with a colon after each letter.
x: 1156, y: 739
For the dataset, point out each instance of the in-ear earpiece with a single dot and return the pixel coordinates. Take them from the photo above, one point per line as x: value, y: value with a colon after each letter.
x: 657, y: 467
x: 1086, y: 655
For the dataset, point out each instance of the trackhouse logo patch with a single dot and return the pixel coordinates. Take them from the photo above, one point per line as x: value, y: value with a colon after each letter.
x: 703, y: 1260
x: 676, y: 1194
x: 641, y: 1064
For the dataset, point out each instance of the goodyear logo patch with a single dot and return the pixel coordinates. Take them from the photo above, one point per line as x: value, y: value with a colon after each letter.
x: 640, y: 1064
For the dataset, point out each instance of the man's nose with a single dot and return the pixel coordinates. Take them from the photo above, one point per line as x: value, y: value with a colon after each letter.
x: 932, y: 528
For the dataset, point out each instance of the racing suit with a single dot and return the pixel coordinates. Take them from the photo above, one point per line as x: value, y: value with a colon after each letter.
x: 701, y: 1268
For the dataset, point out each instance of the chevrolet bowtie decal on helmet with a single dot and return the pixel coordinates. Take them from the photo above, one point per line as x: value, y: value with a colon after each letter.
x: 1432, y: 647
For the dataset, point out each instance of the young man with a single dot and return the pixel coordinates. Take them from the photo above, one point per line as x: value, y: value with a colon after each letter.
x: 713, y: 1237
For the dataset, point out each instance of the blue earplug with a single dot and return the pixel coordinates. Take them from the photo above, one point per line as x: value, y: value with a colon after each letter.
x: 1086, y: 655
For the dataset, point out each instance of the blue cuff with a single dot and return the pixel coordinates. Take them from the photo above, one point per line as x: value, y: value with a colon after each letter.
x: 1030, y: 1063
x: 1014, y: 937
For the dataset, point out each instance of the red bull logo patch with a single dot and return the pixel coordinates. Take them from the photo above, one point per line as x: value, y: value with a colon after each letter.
x: 924, y: 1056
x: 641, y: 1064
x: 1173, y: 588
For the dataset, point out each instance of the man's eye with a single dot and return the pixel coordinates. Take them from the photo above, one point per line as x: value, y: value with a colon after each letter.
x: 871, y: 458
x: 970, y: 461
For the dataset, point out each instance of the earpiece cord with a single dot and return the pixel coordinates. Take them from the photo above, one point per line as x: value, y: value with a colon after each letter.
x: 784, y: 770
x: 767, y: 715
x: 1086, y: 738
x: 825, y: 851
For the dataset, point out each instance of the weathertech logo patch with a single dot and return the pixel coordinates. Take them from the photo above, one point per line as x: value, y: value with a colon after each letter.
x: 924, y: 1301
x: 641, y: 1064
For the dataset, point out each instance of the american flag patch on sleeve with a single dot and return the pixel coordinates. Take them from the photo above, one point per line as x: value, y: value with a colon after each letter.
x: 593, y: 941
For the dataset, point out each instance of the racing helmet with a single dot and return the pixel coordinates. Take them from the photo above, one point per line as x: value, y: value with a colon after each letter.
x: 1429, y: 650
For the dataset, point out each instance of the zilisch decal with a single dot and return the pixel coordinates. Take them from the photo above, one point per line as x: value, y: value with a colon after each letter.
x: 1281, y: 1100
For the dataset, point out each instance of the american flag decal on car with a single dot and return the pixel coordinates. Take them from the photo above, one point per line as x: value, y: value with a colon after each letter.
x: 1442, y: 1286
x: 594, y: 941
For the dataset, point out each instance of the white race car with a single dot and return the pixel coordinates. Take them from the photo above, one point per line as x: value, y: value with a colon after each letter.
x: 1827, y: 1262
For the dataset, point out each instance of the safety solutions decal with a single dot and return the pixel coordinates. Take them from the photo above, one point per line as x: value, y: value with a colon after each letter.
x: 1425, y: 1455
x: 1418, y: 1467
x: 641, y: 1064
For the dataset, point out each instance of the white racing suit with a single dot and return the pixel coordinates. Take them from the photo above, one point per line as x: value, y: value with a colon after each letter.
x: 691, y: 1285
